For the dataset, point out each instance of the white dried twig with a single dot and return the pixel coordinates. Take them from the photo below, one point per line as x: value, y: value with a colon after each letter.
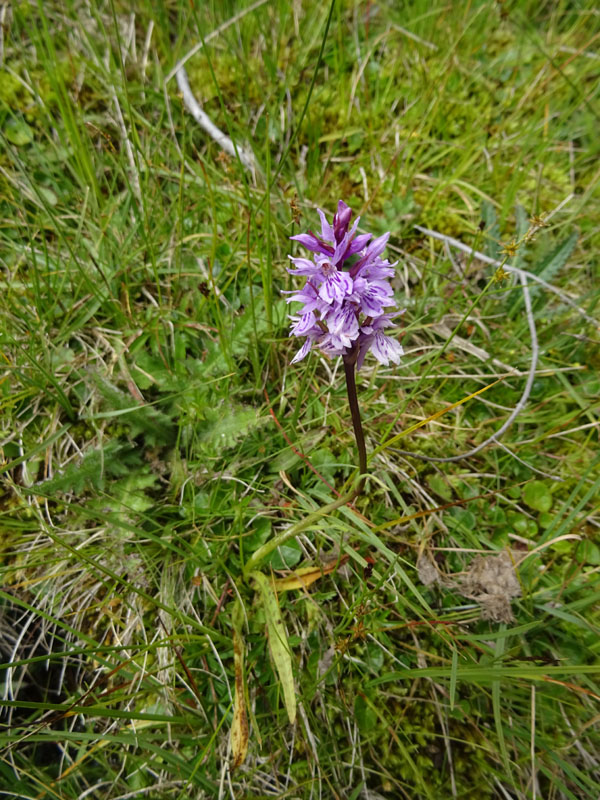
x: 523, y: 276
x: 246, y: 156
x: 523, y: 399
x: 5, y: 20
x: 517, y: 271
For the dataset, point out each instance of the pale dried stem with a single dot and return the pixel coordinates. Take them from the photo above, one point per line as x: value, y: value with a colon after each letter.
x: 523, y: 276
x: 245, y: 156
x: 516, y: 270
x: 523, y: 399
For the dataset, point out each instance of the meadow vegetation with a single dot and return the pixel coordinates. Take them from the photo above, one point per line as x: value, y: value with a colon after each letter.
x: 155, y: 435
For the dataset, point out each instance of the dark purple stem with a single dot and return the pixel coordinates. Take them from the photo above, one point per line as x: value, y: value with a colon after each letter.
x: 349, y: 368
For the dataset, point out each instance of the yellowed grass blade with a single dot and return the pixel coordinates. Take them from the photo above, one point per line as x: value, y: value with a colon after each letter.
x: 239, y: 728
x: 278, y: 642
x: 437, y: 414
x: 303, y: 577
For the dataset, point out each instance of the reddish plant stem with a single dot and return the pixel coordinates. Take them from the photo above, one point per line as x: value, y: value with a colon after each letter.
x: 350, y: 370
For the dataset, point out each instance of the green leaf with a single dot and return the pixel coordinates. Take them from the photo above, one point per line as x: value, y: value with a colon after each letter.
x: 453, y: 674
x: 226, y: 425
x: 286, y: 556
x: 129, y: 494
x: 546, y: 519
x: 440, y: 486
x: 521, y: 228
x: 259, y: 535
x: 278, y: 642
x: 519, y: 522
x: 589, y: 552
x: 18, y: 132
x: 556, y: 260
x: 149, y: 370
x: 156, y: 426
x: 563, y: 546
x: 364, y: 714
x: 48, y: 195
x: 324, y: 462
x: 491, y: 230
x: 374, y: 657
x: 460, y: 517
x: 113, y: 460
x: 537, y: 495
x: 521, y: 221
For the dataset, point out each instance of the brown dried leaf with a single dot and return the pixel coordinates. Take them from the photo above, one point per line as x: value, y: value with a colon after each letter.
x: 239, y: 728
x: 303, y: 577
x: 428, y: 572
x: 493, y: 582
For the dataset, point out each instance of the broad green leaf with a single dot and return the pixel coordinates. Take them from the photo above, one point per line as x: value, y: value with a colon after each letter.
x: 18, y: 132
x: 225, y: 425
x: 374, y: 657
x: 364, y: 714
x: 286, y: 556
x: 278, y: 642
x: 589, y: 552
x: 537, y: 495
x: 440, y: 486
x: 261, y: 530
x: 556, y: 260
x: 129, y: 494
x: 156, y: 426
x: 92, y: 470
x: 48, y: 195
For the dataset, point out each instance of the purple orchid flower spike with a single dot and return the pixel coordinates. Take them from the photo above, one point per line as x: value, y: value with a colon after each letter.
x: 347, y: 303
x: 347, y: 299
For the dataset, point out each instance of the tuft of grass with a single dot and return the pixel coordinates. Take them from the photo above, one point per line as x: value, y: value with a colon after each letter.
x: 155, y: 436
